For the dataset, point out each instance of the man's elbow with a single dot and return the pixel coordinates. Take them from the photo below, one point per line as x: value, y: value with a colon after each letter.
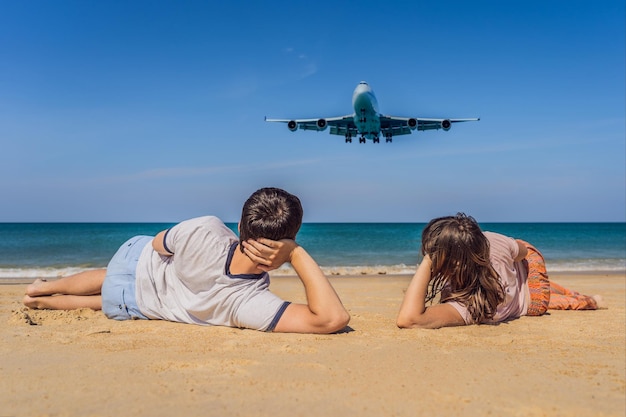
x: 336, y: 323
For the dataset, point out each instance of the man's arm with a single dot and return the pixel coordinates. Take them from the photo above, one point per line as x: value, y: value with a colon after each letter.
x: 324, y: 312
x: 158, y: 244
x: 413, y: 311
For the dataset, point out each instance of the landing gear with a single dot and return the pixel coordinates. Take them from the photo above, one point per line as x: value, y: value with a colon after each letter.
x: 376, y: 139
x: 348, y: 138
x: 362, y: 139
x: 388, y: 137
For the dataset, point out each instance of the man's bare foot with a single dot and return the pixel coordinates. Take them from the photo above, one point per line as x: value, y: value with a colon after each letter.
x: 37, y: 288
x: 600, y: 302
x: 30, y: 302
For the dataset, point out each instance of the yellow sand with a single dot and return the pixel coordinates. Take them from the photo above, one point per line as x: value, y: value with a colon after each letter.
x: 78, y: 363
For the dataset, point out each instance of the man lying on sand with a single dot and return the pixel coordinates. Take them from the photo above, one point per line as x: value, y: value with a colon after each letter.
x: 199, y: 272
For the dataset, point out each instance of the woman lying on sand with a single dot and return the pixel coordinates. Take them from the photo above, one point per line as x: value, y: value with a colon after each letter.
x: 482, y: 277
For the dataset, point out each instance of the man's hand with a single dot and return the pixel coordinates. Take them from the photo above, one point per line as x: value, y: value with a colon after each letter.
x: 269, y: 254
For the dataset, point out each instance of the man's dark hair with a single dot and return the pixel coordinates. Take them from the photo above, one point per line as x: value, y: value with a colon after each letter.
x: 271, y: 213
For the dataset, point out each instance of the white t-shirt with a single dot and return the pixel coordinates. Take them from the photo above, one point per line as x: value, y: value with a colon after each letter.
x: 513, y: 275
x: 194, y: 285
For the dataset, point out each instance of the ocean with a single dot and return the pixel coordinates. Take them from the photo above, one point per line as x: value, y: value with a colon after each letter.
x: 31, y: 250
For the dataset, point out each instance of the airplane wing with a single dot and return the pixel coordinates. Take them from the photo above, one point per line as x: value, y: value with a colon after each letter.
x: 341, y: 125
x: 404, y: 125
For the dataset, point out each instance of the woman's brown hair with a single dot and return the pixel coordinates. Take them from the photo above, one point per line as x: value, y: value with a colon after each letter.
x: 459, y: 252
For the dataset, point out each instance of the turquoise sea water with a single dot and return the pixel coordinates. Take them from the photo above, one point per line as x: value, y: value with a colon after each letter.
x: 29, y: 250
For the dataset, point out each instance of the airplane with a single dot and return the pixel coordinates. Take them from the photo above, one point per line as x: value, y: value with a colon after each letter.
x: 367, y: 122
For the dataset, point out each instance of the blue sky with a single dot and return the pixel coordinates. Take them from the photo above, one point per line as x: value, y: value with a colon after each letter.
x: 154, y: 110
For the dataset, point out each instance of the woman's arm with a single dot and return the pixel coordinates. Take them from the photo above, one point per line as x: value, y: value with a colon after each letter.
x: 413, y: 311
x: 523, y: 251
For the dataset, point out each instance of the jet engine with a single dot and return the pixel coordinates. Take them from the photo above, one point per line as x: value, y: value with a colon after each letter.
x: 445, y: 125
x: 292, y: 125
x: 412, y: 123
x: 321, y: 124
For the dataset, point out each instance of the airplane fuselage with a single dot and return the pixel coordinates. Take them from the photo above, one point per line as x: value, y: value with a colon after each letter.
x: 366, y: 116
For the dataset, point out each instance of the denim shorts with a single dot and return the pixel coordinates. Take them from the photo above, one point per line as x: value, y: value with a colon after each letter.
x: 118, y: 289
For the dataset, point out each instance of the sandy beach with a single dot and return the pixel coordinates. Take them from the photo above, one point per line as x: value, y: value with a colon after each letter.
x: 78, y: 363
